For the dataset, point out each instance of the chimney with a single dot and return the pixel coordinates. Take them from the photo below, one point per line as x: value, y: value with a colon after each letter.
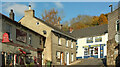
x: 30, y: 12
x: 11, y: 14
x: 111, y: 7
x: 29, y: 7
x: 58, y: 25
x: 70, y: 30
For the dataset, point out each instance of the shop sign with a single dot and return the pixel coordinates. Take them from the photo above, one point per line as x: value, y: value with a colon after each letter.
x: 5, y: 37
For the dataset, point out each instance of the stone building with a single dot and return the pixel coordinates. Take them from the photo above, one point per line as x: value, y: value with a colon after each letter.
x: 19, y: 45
x: 112, y: 46
x: 60, y: 47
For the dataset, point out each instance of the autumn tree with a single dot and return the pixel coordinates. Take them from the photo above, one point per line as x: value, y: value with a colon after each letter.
x: 95, y: 20
x: 65, y: 26
x: 102, y: 19
x: 51, y: 16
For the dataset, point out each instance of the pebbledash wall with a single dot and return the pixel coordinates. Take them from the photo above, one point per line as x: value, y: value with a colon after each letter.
x: 12, y: 48
x: 99, y: 48
x: 112, y: 49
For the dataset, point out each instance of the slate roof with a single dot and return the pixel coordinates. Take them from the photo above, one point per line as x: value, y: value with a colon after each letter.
x: 90, y: 31
x: 56, y: 29
x: 16, y: 23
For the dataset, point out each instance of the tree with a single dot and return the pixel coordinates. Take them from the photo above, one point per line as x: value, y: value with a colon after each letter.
x: 65, y: 26
x: 95, y: 20
x: 51, y: 16
x: 102, y: 19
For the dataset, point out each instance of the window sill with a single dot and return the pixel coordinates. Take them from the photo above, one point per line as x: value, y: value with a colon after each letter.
x: 59, y: 45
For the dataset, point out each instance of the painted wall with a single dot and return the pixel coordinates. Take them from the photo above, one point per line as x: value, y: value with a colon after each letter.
x: 83, y: 42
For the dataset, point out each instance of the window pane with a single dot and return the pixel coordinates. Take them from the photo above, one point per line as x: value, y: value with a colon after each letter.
x: 98, y: 39
x: 21, y: 36
x: 90, y: 40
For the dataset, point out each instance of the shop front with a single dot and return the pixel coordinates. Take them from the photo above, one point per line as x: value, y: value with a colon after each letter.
x: 96, y: 51
x: 20, y: 56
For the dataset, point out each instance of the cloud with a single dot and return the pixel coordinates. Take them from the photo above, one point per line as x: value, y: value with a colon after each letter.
x: 58, y: 5
x: 18, y: 8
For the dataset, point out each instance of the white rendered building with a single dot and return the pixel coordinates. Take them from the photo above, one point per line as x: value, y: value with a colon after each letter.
x: 91, y: 42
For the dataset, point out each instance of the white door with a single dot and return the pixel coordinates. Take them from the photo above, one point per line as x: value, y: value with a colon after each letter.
x: 61, y: 58
x: 67, y: 58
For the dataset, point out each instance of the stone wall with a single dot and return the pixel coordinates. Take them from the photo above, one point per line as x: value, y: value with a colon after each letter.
x: 112, y: 46
x: 62, y: 48
x: 112, y: 52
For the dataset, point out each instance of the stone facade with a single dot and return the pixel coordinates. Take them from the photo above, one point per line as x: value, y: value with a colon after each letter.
x: 112, y: 46
x: 62, y: 48
x: 14, y: 45
x: 51, y: 43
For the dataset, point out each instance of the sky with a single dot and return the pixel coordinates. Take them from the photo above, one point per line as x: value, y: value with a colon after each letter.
x: 67, y: 10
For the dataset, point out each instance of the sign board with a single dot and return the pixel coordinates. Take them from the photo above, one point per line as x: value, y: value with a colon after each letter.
x: 5, y: 37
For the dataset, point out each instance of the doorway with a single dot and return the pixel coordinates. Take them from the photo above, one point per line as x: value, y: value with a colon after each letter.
x: 61, y: 58
x: 67, y: 58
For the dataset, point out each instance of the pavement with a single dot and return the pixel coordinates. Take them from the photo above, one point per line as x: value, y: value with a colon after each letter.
x: 93, y: 62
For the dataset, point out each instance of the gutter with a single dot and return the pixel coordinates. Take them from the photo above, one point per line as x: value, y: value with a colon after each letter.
x: 64, y: 34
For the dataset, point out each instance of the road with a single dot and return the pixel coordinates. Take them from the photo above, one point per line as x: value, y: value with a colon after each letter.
x: 89, y: 63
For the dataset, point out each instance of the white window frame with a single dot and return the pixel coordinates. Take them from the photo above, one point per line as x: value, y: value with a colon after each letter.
x: 72, y: 57
x: 66, y: 43
x: 117, y: 22
x: 59, y: 41
x: 72, y: 44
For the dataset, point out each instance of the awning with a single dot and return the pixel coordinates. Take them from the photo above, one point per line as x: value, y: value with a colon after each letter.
x: 23, y: 51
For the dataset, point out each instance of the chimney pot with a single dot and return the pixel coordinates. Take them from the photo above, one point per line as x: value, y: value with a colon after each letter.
x: 11, y: 14
x: 71, y: 29
x: 29, y: 7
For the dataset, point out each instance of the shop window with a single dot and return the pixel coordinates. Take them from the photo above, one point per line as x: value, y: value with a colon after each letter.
x: 86, y: 51
x: 96, y: 50
x: 72, y: 57
x: 10, y: 58
x: 21, y: 36
x: 98, y: 39
x: 90, y: 40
